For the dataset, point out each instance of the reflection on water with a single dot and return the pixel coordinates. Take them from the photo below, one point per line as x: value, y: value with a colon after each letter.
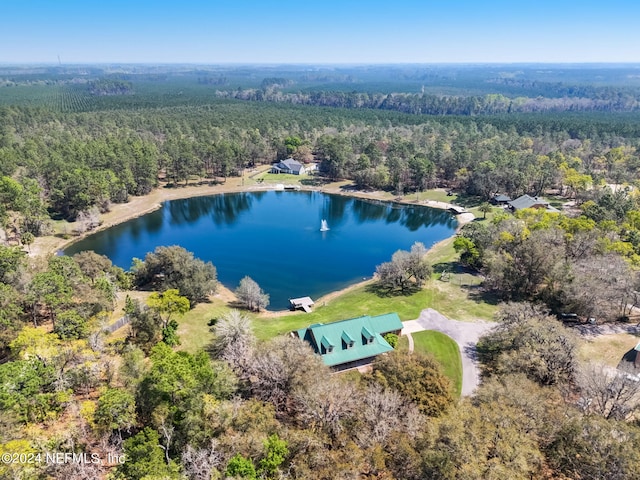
x: 224, y: 209
x: 275, y: 238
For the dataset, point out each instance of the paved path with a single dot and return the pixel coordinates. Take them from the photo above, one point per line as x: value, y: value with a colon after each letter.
x: 410, y: 338
x: 465, y: 334
x: 607, y: 329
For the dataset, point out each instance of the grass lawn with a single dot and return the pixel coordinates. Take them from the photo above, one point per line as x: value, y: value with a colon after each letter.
x: 607, y: 349
x: 280, y: 178
x: 194, y: 331
x: 437, y: 195
x: 458, y: 298
x: 445, y: 350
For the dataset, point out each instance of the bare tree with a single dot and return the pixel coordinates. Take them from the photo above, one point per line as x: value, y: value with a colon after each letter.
x: 383, y: 412
x: 602, y: 287
x: 77, y: 470
x: 87, y: 220
x: 608, y: 392
x: 234, y: 340
x: 200, y: 464
x: 519, y: 312
x: 251, y: 295
x: 281, y: 368
x: 326, y: 405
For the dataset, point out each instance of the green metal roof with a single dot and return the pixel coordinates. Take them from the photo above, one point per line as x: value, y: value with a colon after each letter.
x: 388, y: 322
x: 325, y: 342
x: 352, y: 339
x: 366, y: 333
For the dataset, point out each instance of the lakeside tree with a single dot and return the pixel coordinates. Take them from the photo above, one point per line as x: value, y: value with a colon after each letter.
x: 92, y: 264
x: 406, y: 268
x: 251, y: 295
x: 485, y: 208
x: 146, y: 325
x: 168, y: 304
x: 175, y: 268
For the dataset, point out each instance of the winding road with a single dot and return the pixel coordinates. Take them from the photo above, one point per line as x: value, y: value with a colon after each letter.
x: 465, y: 334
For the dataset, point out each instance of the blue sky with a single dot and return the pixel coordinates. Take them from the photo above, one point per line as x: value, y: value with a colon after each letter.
x: 327, y: 31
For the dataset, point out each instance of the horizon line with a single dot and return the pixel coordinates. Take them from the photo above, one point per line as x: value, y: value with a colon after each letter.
x: 245, y: 63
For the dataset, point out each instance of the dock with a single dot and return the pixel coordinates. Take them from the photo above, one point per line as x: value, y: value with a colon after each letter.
x: 304, y: 303
x: 457, y: 210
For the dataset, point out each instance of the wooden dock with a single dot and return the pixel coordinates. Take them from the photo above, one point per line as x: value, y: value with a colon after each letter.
x: 304, y: 303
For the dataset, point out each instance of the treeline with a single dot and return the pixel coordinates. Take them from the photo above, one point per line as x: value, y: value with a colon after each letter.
x: 424, y: 104
x: 109, y: 86
x: 104, y: 157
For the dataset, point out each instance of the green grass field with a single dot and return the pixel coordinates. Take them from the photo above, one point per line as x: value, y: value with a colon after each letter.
x: 445, y: 350
x: 194, y: 330
x: 284, y: 178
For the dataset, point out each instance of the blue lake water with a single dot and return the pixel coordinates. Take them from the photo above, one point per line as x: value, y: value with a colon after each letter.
x: 274, y: 237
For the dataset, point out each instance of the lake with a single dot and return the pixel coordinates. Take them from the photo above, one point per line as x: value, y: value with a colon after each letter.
x: 274, y: 237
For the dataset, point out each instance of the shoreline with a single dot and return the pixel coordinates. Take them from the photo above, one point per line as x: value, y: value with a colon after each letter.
x: 142, y: 205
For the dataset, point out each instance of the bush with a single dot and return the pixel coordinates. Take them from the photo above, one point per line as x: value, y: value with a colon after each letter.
x: 392, y: 339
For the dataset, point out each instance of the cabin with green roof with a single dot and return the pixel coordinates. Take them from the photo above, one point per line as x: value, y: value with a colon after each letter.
x: 351, y: 343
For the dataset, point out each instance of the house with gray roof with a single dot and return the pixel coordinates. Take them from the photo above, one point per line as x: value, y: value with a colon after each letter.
x: 290, y: 166
x: 353, y: 342
x: 526, y: 201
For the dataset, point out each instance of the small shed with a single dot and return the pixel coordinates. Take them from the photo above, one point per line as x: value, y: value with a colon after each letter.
x: 304, y: 303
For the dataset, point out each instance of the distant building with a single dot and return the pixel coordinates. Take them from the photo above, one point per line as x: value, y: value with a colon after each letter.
x: 288, y: 166
x: 353, y: 342
x: 525, y: 201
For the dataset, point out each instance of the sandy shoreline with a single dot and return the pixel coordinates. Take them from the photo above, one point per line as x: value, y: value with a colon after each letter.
x: 139, y: 206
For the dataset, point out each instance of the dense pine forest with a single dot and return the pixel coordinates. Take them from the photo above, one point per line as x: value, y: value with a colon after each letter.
x: 75, y: 141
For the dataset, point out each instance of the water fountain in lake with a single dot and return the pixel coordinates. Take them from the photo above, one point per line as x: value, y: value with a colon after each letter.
x: 323, y: 226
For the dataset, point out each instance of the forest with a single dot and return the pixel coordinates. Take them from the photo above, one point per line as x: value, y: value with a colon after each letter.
x: 75, y: 141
